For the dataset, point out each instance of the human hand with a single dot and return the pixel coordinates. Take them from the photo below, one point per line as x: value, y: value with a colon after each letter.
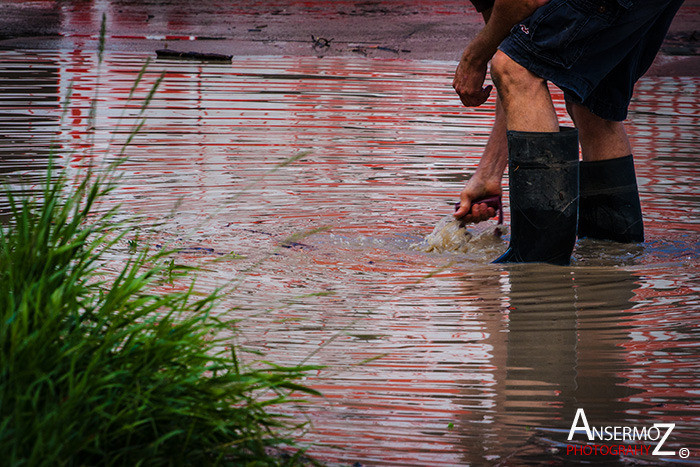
x: 470, y: 209
x: 469, y: 81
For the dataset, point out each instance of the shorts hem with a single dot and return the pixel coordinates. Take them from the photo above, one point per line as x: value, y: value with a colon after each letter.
x: 530, y: 60
x: 575, y: 88
x: 599, y: 108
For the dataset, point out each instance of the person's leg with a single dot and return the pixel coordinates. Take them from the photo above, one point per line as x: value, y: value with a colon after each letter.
x: 525, y: 97
x: 609, y: 206
x: 600, y: 139
x: 542, y: 168
x: 530, y: 108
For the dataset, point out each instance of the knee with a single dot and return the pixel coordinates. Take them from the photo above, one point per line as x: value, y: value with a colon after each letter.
x: 585, y: 119
x: 511, y: 77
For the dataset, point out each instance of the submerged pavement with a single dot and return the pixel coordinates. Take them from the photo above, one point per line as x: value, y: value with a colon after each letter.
x: 429, y: 358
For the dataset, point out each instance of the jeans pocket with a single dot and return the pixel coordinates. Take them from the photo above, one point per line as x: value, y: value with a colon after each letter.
x: 560, y: 30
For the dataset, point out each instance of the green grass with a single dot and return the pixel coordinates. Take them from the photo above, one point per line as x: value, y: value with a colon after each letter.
x: 101, y: 368
x: 110, y: 371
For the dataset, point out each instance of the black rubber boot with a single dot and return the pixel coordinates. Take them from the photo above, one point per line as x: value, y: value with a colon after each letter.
x: 543, y: 179
x: 609, y: 206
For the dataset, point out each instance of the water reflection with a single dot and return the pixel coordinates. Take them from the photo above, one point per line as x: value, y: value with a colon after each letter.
x: 431, y: 358
x: 560, y: 347
x: 29, y: 103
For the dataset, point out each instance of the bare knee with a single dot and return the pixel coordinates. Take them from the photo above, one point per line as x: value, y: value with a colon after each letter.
x: 582, y: 117
x: 512, y: 78
x: 587, y: 121
x: 524, y: 96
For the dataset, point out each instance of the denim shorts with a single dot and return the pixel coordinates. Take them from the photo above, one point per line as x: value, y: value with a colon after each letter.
x: 594, y: 50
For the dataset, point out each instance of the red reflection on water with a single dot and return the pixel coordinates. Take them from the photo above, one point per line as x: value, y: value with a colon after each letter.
x: 492, y: 351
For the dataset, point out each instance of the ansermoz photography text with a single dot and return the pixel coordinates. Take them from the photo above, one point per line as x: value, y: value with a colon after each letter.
x: 647, y: 438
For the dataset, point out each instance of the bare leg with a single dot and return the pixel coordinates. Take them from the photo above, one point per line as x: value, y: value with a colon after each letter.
x: 524, y: 96
x: 523, y: 104
x: 543, y: 169
x: 600, y: 139
x: 609, y: 207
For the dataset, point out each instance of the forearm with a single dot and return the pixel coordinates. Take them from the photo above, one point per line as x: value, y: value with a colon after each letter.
x: 486, y: 181
x: 495, y: 157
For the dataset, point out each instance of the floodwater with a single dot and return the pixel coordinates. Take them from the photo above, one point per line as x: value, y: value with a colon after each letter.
x: 431, y: 358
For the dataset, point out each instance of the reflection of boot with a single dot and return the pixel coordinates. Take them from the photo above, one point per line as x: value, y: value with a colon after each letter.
x: 543, y: 180
x: 610, y: 208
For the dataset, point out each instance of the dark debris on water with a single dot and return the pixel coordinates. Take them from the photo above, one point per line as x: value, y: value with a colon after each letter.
x: 201, y: 56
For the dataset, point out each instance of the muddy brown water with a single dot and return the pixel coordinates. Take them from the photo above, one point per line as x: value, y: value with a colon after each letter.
x: 430, y: 357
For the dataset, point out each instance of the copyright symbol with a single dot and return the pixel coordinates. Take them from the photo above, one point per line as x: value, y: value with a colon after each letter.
x: 684, y: 453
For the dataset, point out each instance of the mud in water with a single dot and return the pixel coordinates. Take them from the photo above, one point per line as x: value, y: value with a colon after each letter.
x: 432, y: 355
x: 451, y: 236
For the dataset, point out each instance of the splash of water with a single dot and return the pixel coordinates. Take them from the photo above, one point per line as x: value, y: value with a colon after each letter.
x: 450, y: 236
